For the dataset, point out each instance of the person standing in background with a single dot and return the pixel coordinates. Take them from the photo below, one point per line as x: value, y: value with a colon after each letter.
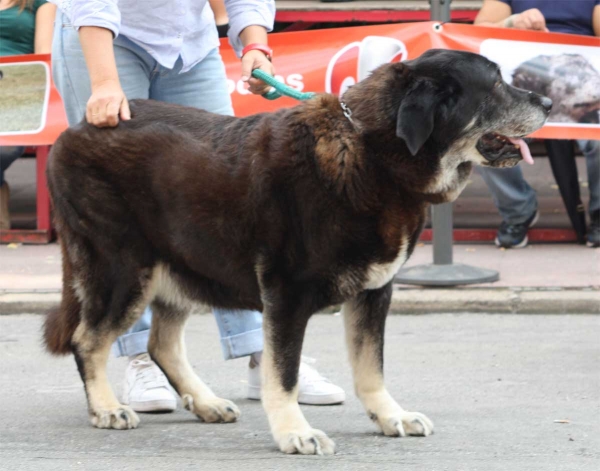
x: 514, y: 197
x: 25, y: 28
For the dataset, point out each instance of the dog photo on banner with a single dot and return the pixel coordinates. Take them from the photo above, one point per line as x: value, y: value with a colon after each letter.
x: 569, y: 75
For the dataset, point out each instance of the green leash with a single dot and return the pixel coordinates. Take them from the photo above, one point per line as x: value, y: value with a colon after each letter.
x: 280, y: 88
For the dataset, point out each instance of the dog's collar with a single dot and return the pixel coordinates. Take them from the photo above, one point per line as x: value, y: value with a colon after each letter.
x: 347, y: 111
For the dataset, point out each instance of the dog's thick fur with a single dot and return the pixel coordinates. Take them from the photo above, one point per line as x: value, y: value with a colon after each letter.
x: 285, y: 212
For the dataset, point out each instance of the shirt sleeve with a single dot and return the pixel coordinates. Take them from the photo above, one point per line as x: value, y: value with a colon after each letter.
x: 101, y: 13
x: 244, y: 13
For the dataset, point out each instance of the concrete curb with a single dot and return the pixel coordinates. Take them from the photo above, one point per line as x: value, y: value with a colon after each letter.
x: 28, y: 302
x: 496, y: 301
x: 405, y: 301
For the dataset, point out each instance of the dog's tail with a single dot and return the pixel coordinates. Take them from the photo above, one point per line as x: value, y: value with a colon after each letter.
x: 62, y: 321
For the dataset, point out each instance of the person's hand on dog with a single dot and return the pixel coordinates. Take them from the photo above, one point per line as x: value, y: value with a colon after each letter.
x: 256, y: 60
x: 107, y: 105
x: 530, y: 19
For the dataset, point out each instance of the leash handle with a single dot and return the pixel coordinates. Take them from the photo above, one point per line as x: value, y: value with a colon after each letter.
x: 280, y: 89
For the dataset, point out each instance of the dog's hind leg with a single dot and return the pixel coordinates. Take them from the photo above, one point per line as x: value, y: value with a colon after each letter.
x: 109, y: 305
x: 364, y: 319
x: 91, y: 349
x: 167, y: 349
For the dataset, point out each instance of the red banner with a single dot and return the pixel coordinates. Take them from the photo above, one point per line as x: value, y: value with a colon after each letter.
x: 334, y: 59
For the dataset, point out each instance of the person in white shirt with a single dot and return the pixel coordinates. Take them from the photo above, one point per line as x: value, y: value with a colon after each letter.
x: 106, y: 52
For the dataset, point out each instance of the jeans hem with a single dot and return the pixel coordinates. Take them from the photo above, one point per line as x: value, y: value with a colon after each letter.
x: 131, y: 344
x: 241, y: 345
x: 519, y: 219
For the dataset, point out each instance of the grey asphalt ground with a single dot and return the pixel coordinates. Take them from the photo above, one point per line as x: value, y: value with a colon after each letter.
x: 493, y: 384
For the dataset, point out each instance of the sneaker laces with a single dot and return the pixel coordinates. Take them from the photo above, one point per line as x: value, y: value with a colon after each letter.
x: 308, y: 373
x: 519, y: 228
x: 149, y: 374
x: 512, y: 228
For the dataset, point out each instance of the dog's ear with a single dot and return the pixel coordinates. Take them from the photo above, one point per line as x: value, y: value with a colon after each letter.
x: 416, y: 114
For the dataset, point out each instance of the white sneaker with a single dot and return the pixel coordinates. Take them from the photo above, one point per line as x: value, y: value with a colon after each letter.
x: 313, y: 389
x: 146, y: 387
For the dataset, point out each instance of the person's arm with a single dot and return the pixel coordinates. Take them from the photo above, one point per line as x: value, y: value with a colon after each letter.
x: 44, y: 26
x: 249, y: 23
x: 255, y: 59
x: 108, y: 102
x: 218, y: 8
x: 98, y: 22
x: 596, y: 20
x: 499, y: 14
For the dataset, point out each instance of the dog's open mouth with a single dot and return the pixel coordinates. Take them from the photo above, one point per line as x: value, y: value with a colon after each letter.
x: 496, y: 148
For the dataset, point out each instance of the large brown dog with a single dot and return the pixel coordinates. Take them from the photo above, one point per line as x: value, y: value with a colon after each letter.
x: 284, y: 212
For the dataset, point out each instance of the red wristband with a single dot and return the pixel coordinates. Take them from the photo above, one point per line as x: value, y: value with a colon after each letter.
x: 266, y: 50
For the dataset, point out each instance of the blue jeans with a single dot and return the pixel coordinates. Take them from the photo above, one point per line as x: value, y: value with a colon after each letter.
x: 591, y: 150
x: 204, y: 86
x: 8, y: 154
x: 516, y: 200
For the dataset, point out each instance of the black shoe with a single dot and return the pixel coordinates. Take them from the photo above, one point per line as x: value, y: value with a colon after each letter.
x: 593, y: 235
x: 514, y: 236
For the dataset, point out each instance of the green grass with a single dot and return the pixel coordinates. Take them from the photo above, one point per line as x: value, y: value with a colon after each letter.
x: 22, y: 92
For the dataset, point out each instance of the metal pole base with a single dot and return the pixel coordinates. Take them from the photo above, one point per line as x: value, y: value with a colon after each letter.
x: 445, y: 275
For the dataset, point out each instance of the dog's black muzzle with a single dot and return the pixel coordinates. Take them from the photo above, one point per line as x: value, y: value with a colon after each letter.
x: 506, y: 151
x: 546, y: 103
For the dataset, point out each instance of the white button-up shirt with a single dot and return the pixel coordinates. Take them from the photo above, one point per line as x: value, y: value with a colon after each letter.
x: 167, y: 29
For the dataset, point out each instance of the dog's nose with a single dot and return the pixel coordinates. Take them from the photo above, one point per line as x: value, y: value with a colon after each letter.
x: 546, y: 103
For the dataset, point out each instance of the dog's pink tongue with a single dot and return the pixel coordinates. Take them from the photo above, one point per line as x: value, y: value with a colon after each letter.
x: 524, y: 148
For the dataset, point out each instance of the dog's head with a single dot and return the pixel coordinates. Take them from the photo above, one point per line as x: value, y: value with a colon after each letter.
x: 447, y: 111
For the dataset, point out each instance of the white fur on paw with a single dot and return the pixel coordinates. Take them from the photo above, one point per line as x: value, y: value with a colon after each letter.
x: 404, y: 423
x: 214, y: 410
x: 312, y: 442
x: 122, y: 418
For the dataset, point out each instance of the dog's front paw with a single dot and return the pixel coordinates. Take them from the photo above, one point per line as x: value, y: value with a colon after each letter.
x: 212, y: 410
x: 311, y: 442
x: 403, y: 423
x: 121, y: 418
